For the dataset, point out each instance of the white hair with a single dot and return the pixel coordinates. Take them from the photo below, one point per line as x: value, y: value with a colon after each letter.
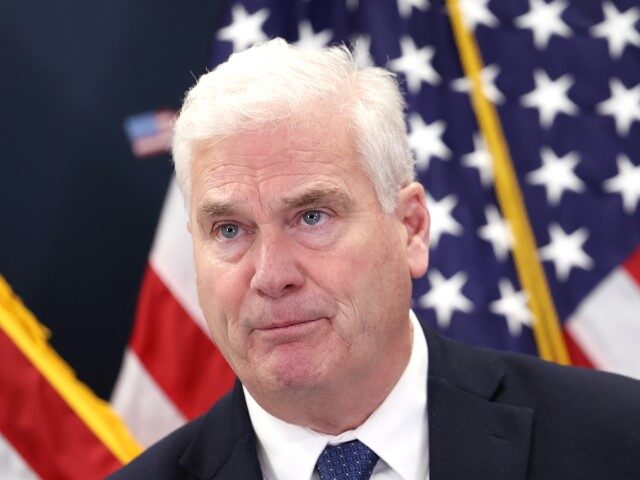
x: 275, y: 85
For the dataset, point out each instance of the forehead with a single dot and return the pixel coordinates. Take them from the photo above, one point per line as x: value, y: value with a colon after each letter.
x: 275, y: 163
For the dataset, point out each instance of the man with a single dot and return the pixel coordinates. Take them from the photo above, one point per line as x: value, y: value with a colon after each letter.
x: 307, y: 228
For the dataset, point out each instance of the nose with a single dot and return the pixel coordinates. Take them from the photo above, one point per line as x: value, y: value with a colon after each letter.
x: 276, y: 271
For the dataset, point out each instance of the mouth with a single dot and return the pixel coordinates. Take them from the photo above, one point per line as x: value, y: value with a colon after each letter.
x: 289, y: 330
x: 288, y: 324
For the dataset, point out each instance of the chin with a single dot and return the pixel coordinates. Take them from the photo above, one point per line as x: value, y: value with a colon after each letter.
x: 293, y: 369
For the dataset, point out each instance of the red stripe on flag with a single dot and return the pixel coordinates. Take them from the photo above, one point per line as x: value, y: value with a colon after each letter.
x: 179, y: 356
x: 152, y: 145
x: 42, y: 427
x: 577, y: 356
x: 632, y: 265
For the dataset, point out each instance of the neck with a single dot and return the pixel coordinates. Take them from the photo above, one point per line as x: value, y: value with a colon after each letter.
x: 337, y: 408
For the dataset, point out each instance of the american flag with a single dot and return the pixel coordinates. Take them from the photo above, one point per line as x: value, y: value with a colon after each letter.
x: 51, y: 425
x: 565, y: 80
x: 149, y: 133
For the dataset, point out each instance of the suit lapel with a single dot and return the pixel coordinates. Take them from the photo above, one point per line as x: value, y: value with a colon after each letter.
x: 470, y: 435
x: 225, y: 446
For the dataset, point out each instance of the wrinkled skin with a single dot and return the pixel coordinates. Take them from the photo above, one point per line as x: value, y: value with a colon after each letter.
x: 305, y: 283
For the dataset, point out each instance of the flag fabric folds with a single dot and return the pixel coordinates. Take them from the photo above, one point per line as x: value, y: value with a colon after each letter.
x: 51, y: 425
x: 564, y: 79
x: 171, y: 371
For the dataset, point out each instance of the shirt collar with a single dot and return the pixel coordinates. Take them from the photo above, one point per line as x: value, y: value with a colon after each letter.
x: 290, y: 452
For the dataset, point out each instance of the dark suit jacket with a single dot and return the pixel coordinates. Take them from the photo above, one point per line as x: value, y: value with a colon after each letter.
x: 492, y: 415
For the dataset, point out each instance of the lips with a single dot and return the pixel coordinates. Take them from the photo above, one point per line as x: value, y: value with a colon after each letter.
x: 287, y: 324
x: 286, y: 314
x: 290, y: 330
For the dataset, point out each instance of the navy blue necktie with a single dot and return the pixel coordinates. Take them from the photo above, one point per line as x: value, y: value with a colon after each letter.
x: 346, y: 461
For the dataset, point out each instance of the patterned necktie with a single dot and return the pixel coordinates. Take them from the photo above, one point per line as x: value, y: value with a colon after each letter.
x: 346, y: 461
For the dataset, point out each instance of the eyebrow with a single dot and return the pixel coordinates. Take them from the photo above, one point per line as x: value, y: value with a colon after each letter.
x: 218, y: 209
x: 315, y: 196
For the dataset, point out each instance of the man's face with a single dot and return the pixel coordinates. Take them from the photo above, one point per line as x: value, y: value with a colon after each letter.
x: 303, y: 280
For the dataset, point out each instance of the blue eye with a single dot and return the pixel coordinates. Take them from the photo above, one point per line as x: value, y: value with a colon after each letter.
x: 229, y: 230
x: 312, y: 217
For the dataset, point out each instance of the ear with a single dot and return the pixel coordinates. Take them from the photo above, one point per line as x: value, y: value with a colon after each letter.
x: 411, y: 211
x: 189, y: 226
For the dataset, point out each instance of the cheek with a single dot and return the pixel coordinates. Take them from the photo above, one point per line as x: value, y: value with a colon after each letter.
x: 375, y: 252
x: 358, y: 273
x: 220, y: 293
x: 219, y: 282
x: 378, y: 273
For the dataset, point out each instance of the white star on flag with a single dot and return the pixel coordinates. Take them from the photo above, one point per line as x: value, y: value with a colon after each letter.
x: 442, y: 220
x: 415, y: 65
x: 310, y: 40
x: 550, y: 97
x: 496, y: 232
x: 488, y: 77
x: 513, y: 306
x: 352, y: 5
x: 618, y: 28
x: 405, y: 7
x: 426, y: 141
x: 476, y: 12
x: 445, y: 296
x: 544, y: 20
x: 362, y: 50
x: 626, y: 183
x: 556, y: 175
x: 623, y: 105
x: 480, y: 158
x: 565, y: 251
x: 244, y: 30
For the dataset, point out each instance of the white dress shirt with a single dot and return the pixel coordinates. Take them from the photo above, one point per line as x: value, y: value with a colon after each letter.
x: 396, y: 431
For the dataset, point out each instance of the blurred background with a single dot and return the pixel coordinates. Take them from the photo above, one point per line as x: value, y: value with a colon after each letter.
x: 78, y: 209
